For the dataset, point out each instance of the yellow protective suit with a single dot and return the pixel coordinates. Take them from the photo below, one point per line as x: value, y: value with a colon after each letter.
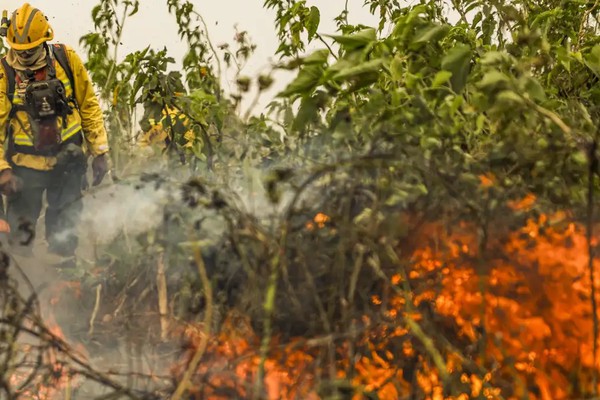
x: 157, y: 134
x: 88, y: 119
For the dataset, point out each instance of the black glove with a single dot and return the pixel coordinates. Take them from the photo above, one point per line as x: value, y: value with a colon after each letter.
x: 9, y: 183
x: 99, y: 169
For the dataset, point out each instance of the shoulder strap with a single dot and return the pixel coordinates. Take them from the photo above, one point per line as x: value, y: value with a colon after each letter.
x: 60, y: 54
x: 10, y: 79
x: 10, y: 93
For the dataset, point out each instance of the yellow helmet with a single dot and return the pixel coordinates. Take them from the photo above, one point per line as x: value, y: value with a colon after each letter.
x: 28, y: 28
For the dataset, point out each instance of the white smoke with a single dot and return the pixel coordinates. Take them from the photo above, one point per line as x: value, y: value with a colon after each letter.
x: 122, y: 207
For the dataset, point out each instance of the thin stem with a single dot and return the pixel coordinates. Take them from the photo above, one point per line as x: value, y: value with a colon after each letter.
x: 327, y: 45
x: 113, y: 65
x: 585, y: 19
x: 346, y: 13
x: 209, y: 42
x: 269, y: 308
x: 208, y: 316
x: 252, y: 105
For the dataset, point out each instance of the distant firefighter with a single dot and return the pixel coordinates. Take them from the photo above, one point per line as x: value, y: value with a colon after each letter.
x: 161, y: 133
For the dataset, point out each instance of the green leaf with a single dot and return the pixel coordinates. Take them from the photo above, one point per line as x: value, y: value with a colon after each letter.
x: 412, y: 80
x: 317, y: 57
x: 441, y: 78
x: 356, y: 40
x: 493, y: 79
x: 487, y: 28
x: 364, y: 80
x: 546, y: 16
x: 509, y: 97
x: 336, y: 67
x: 307, y: 113
x: 368, y: 216
x: 562, y: 55
x: 579, y: 157
x: 592, y: 60
x: 457, y: 102
x: 397, y: 198
x: 397, y: 68
x: 136, y: 7
x: 314, y: 18
x: 307, y: 79
x: 480, y: 122
x: 457, y: 61
x: 534, y: 89
x: 363, y: 68
x: 432, y: 33
x: 477, y: 19
x: 429, y: 142
x: 495, y: 57
x: 95, y: 12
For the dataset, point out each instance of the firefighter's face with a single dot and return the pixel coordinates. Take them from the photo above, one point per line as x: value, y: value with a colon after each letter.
x: 29, y: 56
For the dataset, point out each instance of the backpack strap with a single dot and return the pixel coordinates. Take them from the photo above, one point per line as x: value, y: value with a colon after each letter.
x: 10, y: 79
x: 60, y: 54
x: 10, y: 93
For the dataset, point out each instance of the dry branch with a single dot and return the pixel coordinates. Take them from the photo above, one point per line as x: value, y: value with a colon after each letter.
x: 95, y: 310
x: 193, y: 365
x: 163, y: 306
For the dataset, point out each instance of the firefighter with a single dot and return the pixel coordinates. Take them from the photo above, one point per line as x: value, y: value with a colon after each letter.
x: 50, y: 121
x: 163, y: 132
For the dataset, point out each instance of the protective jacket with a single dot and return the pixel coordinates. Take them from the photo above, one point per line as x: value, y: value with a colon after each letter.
x: 160, y: 131
x: 85, y: 125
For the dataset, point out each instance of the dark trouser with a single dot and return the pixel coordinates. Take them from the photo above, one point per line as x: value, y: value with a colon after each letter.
x: 63, y: 194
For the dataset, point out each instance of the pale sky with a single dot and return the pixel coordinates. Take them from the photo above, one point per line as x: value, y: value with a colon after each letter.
x: 153, y: 25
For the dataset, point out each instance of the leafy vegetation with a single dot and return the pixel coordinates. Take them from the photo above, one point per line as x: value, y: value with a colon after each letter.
x: 412, y: 216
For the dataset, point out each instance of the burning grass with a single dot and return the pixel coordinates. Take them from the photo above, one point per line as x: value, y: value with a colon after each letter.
x: 437, y: 315
x: 452, y: 321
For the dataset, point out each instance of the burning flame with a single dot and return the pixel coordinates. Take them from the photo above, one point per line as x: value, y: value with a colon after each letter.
x: 319, y: 221
x: 523, y: 310
x: 42, y: 372
x: 29, y: 381
x: 514, y: 321
x: 232, y: 364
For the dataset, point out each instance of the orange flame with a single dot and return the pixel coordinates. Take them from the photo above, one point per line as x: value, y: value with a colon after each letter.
x: 533, y: 317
